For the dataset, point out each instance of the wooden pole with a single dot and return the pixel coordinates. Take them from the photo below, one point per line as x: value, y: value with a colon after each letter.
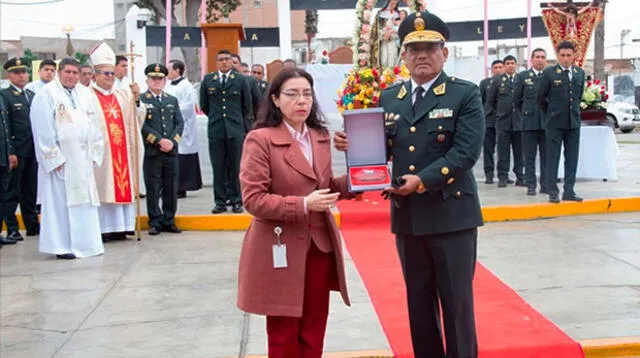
x: 136, y: 148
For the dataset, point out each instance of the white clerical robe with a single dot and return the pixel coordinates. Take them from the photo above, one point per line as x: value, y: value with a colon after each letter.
x: 116, y: 176
x: 65, y: 137
x: 187, y: 98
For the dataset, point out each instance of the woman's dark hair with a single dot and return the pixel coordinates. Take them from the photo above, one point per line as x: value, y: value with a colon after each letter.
x: 270, y: 116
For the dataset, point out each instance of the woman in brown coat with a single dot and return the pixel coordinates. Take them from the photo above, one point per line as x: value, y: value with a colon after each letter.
x: 292, y: 254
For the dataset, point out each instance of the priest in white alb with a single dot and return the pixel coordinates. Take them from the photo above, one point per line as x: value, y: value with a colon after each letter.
x: 116, y: 118
x: 190, y: 177
x: 68, y: 146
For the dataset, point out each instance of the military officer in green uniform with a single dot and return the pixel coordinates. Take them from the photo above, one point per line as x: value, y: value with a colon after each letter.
x: 525, y: 97
x: 489, y: 145
x: 24, y: 178
x: 225, y: 97
x: 161, y: 132
x: 435, y: 129
x: 8, y: 161
x: 508, y: 124
x: 257, y: 71
x: 559, y: 95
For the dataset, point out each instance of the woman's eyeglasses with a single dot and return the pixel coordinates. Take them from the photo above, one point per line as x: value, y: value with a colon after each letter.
x: 307, y: 95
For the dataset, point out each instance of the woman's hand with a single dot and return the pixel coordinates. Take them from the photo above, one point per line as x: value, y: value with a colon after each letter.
x: 321, y: 200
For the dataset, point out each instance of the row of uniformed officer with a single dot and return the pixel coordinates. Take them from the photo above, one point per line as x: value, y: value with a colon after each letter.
x: 161, y: 131
x: 23, y: 178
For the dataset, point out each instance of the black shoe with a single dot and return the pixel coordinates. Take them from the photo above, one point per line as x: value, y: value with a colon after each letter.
x: 502, y: 183
x: 544, y: 191
x: 15, y: 236
x: 6, y: 241
x: 228, y: 203
x: 106, y: 237
x: 130, y: 233
x: 66, y: 256
x: 509, y: 181
x: 554, y: 199
x: 531, y: 191
x: 237, y: 208
x: 172, y: 229
x: 520, y: 183
x: 118, y: 236
x: 34, y: 231
x: 488, y: 181
x: 142, y: 196
x: 219, y: 209
x: 182, y: 195
x: 154, y: 231
x: 573, y: 197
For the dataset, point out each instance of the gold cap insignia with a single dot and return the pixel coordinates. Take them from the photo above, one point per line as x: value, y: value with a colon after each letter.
x: 157, y: 68
x: 419, y: 24
x: 18, y: 62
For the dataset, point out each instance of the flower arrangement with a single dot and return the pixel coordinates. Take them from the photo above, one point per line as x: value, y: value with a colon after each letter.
x: 325, y: 57
x: 363, y: 84
x: 361, y: 90
x: 594, y: 96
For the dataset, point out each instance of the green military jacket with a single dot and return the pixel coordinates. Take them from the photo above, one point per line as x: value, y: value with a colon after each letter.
x: 440, y: 143
x: 18, y: 108
x: 256, y: 96
x: 559, y: 98
x: 6, y: 148
x: 525, y: 100
x: 500, y: 100
x: 490, y: 116
x: 163, y: 120
x: 263, y: 86
x: 228, y: 107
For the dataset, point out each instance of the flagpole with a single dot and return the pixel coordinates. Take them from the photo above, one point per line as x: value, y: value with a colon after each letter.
x: 529, y: 32
x: 169, y: 11
x: 486, y: 38
x: 203, y: 41
x: 284, y: 23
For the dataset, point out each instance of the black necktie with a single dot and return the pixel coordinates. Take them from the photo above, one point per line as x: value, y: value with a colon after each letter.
x: 224, y: 79
x: 419, y: 97
x: 511, y: 79
x: 566, y: 73
x: 158, y: 98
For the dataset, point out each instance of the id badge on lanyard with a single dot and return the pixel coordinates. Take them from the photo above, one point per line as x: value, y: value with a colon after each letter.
x: 279, y: 251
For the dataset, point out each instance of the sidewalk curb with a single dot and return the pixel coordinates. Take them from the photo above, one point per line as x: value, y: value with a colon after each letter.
x: 593, y: 348
x: 240, y: 222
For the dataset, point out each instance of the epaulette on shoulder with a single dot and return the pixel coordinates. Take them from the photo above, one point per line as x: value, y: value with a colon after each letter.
x: 459, y: 81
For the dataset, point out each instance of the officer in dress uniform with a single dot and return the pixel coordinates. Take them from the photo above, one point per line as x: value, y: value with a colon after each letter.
x: 559, y: 93
x: 508, y: 125
x: 24, y: 178
x: 257, y: 71
x: 525, y: 97
x: 489, y: 145
x: 435, y: 129
x: 225, y: 97
x: 8, y: 161
x: 162, y: 130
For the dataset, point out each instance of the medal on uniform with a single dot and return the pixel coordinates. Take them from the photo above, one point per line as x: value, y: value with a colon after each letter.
x: 279, y: 250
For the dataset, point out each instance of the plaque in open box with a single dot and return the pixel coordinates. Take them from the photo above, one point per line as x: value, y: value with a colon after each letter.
x: 367, y: 155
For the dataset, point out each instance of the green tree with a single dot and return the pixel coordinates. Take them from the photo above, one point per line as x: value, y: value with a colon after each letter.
x: 29, y: 57
x: 82, y: 58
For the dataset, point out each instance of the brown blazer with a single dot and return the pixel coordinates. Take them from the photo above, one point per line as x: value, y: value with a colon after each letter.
x: 275, y: 177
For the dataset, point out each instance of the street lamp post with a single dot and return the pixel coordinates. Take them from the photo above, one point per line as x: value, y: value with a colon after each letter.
x: 623, y: 34
x: 68, y: 29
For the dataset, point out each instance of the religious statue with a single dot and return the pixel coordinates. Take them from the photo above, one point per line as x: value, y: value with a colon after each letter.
x: 385, y: 36
x: 571, y: 12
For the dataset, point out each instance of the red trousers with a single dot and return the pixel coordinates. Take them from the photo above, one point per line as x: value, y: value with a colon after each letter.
x: 293, y: 337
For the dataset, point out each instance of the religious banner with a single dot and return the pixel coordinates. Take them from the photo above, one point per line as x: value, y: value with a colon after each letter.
x: 571, y: 22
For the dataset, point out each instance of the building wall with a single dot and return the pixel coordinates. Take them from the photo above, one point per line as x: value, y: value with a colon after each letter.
x: 264, y: 13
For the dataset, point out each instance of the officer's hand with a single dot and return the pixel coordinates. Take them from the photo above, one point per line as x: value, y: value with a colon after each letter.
x: 321, y: 200
x: 135, y: 89
x: 340, y: 141
x: 13, y: 161
x: 164, y: 146
x: 410, y: 186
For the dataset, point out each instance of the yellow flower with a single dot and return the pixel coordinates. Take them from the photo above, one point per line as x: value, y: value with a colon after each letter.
x: 350, y: 106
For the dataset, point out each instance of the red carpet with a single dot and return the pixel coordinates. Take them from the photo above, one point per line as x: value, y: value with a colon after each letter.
x: 507, y: 326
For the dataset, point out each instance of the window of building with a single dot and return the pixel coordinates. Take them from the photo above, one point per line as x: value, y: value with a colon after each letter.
x: 257, y: 4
